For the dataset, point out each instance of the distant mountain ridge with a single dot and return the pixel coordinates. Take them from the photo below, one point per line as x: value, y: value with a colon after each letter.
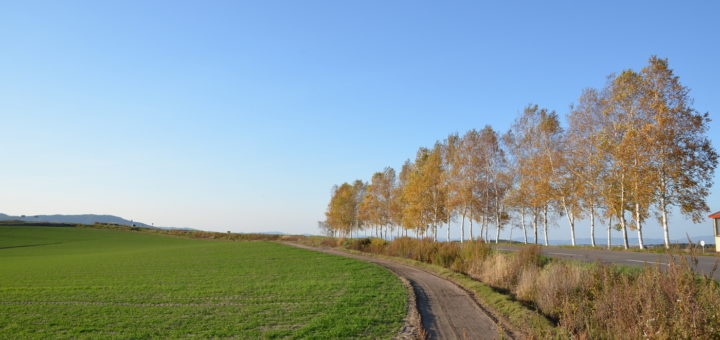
x: 74, y: 219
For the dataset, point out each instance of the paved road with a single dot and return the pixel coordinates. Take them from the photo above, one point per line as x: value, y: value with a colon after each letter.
x: 447, y: 311
x: 705, y: 264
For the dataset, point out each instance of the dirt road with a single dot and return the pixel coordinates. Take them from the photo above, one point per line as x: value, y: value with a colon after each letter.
x: 446, y: 310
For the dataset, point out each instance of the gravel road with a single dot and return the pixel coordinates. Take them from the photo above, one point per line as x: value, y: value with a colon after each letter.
x: 446, y: 310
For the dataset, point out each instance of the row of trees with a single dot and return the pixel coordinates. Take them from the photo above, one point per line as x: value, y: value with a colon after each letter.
x: 632, y: 149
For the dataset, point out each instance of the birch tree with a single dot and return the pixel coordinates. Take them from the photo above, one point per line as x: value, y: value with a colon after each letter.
x: 454, y: 182
x: 584, y: 159
x: 685, y: 160
x: 342, y: 213
x: 537, y: 154
x: 376, y: 205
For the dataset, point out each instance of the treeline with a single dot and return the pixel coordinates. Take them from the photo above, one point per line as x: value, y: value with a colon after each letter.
x: 631, y: 150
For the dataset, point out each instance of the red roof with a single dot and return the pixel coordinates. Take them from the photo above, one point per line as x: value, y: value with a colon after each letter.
x: 715, y: 215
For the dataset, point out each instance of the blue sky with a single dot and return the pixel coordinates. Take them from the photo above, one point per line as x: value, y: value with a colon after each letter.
x: 239, y: 115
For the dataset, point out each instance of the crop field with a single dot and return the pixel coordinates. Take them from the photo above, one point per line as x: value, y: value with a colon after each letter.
x: 62, y: 282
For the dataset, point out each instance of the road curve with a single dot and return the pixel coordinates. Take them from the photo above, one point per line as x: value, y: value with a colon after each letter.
x: 446, y: 310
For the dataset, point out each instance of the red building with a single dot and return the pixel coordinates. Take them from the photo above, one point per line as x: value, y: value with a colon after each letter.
x: 716, y: 228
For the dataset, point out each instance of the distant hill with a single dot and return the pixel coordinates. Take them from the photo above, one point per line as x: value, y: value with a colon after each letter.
x: 73, y: 219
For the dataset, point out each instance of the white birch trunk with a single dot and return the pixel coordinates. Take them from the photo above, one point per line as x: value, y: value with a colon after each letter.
x: 536, y: 214
x: 471, y: 228
x: 664, y: 217
x: 609, y: 233
x: 592, y: 225
x: 638, y: 225
x: 666, y: 230
x: 571, y: 221
x: 448, y: 231
x: 622, y: 213
x: 522, y: 223
x: 462, y: 228
x: 545, y: 225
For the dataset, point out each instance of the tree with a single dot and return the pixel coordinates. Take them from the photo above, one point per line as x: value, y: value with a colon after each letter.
x: 370, y: 206
x: 454, y: 182
x: 425, y: 193
x: 631, y: 154
x: 400, y: 211
x: 341, y: 215
x: 537, y: 152
x: 376, y: 206
x: 684, y: 159
x: 585, y: 163
x: 515, y: 197
x: 358, y: 191
x: 470, y: 186
x: 493, y: 177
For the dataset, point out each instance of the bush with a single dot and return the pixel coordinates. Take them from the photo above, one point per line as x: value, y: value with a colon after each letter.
x: 472, y: 255
x: 446, y: 254
x: 530, y: 256
x: 559, y: 284
x: 377, y: 245
x: 359, y: 244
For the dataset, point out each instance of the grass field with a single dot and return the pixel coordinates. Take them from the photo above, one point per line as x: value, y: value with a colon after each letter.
x: 89, y: 283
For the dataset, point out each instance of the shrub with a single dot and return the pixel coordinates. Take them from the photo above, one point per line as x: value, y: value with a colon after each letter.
x: 527, y: 286
x: 559, y: 284
x: 359, y: 244
x: 530, y: 256
x: 497, y: 271
x: 401, y: 247
x: 446, y: 254
x: 503, y: 271
x: 472, y: 255
x: 377, y: 245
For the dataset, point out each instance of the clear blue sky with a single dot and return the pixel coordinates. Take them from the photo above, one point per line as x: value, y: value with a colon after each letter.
x: 239, y: 115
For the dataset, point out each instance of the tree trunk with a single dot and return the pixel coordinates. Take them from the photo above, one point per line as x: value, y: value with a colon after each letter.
x: 572, y: 229
x: 623, y: 225
x: 545, y: 225
x: 638, y: 224
x: 622, y: 213
x: 592, y: 225
x: 609, y: 232
x: 536, y: 214
x: 666, y: 230
x: 664, y: 220
x: 462, y: 228
x: 486, y: 221
x: 471, y: 228
x: 497, y: 217
x: 571, y: 221
x: 448, y: 231
x: 522, y: 222
x: 483, y: 229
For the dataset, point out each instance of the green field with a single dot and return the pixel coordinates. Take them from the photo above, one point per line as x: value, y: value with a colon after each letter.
x: 60, y: 282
